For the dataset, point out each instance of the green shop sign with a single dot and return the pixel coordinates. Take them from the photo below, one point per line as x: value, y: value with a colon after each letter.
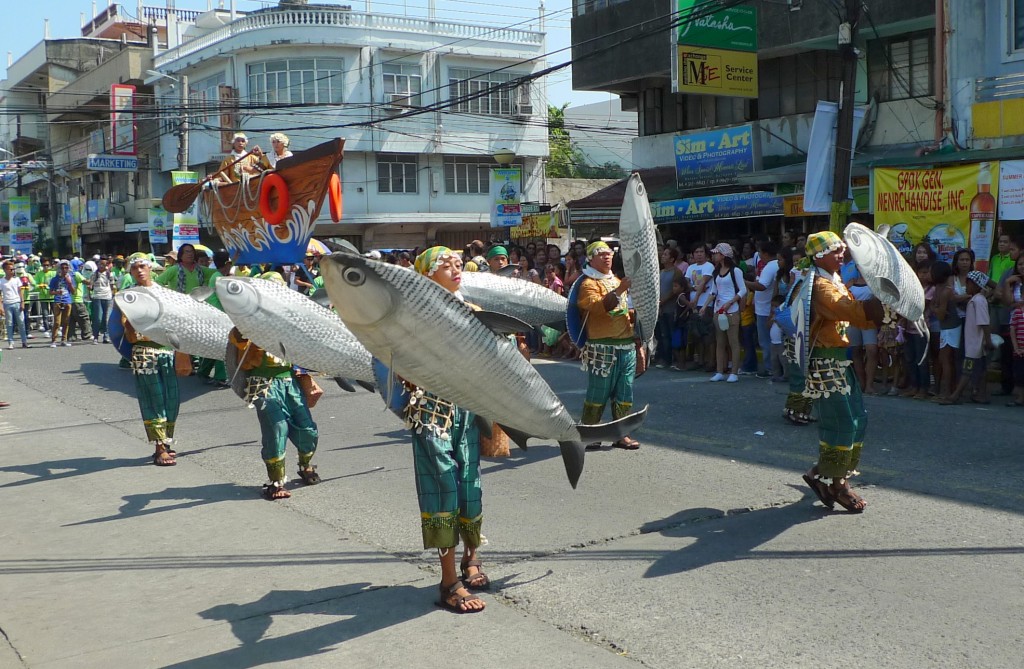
x: 733, y: 29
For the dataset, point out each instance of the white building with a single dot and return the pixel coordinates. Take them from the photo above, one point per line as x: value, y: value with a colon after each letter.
x: 416, y: 167
x: 603, y: 132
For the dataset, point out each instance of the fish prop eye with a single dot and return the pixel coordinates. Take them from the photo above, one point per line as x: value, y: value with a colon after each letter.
x: 354, y: 276
x: 129, y: 297
x: 234, y: 288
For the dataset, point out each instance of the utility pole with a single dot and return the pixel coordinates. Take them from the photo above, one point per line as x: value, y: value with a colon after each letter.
x: 841, y: 204
x: 183, y: 126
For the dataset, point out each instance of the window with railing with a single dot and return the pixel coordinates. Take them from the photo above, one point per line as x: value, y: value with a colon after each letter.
x: 297, y: 81
x: 402, y: 84
x: 467, y: 174
x: 396, y: 172
x: 481, y: 92
x: 204, y: 99
x: 901, y: 67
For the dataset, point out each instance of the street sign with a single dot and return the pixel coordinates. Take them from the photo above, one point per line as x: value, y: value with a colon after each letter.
x: 106, y: 163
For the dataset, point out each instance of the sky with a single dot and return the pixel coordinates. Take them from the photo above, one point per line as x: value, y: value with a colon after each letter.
x: 65, y: 21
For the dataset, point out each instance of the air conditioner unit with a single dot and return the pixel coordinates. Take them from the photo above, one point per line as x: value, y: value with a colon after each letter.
x: 396, y: 102
x: 523, y: 109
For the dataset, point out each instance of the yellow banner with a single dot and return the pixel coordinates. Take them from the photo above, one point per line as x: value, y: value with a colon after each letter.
x: 949, y: 207
x: 535, y: 225
x: 705, y: 71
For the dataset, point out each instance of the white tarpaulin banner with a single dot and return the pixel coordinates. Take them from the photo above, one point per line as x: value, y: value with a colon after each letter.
x: 821, y: 155
x: 1011, y: 190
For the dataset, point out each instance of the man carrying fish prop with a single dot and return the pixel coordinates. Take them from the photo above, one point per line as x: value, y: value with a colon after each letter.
x: 281, y: 408
x: 829, y: 376
x: 156, y: 383
x: 610, y: 355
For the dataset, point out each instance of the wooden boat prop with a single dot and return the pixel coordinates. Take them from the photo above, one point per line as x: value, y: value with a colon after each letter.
x: 236, y: 212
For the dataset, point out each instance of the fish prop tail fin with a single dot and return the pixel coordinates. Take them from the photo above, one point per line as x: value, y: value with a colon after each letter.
x: 572, y: 452
x: 572, y: 456
x: 517, y: 436
x: 613, y: 431
x: 345, y: 384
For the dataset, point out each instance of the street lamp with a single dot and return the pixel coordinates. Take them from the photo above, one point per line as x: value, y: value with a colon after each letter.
x: 183, y: 123
x: 504, y: 157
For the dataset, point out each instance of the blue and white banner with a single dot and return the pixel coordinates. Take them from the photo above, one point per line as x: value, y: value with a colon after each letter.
x: 717, y: 207
x: 506, y: 197
x: 821, y: 156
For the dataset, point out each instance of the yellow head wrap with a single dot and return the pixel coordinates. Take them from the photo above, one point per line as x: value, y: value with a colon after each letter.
x: 597, y: 247
x: 427, y: 262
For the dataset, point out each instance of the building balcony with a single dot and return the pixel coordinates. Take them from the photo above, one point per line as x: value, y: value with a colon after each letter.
x: 89, y: 95
x: 357, y: 23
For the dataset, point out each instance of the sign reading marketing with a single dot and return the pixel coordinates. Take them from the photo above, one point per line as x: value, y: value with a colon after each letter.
x: 717, y: 207
x: 715, y: 157
x: 105, y: 163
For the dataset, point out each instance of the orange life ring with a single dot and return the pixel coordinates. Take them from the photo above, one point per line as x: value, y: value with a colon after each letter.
x: 334, y: 197
x: 274, y: 183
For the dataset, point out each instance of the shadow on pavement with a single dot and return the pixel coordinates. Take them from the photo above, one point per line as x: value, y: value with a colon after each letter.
x: 107, y: 375
x: 725, y: 542
x: 142, y: 504
x: 53, y: 470
x: 368, y: 609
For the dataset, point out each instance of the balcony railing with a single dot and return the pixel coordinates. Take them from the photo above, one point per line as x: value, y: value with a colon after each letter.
x: 331, y: 18
x: 115, y: 12
x: 989, y: 89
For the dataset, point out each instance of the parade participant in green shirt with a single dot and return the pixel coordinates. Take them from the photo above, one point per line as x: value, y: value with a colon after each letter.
x: 222, y: 261
x: 187, y: 274
x: 42, y: 282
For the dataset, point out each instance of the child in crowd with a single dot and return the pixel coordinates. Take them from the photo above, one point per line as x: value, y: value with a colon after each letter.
x: 977, y: 342
x: 775, y: 335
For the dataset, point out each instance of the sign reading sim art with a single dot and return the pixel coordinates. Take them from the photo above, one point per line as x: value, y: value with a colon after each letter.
x: 715, y: 157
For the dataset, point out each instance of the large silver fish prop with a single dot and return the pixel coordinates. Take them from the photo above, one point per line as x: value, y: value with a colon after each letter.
x: 527, y: 301
x: 429, y: 337
x: 638, y: 243
x: 175, y: 319
x: 293, y: 327
x: 887, y: 273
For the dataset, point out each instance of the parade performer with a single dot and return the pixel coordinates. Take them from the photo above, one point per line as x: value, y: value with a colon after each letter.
x: 156, y: 383
x: 446, y: 452
x: 270, y: 385
x: 247, y: 164
x: 187, y: 274
x: 223, y: 263
x: 610, y: 354
x: 829, y: 378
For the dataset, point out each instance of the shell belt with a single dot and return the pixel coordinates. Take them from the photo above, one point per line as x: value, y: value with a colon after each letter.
x: 145, y: 358
x: 256, y: 388
x: 826, y: 376
x: 427, y: 411
x: 600, y: 358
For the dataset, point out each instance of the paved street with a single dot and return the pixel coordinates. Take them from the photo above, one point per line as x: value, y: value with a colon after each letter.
x: 702, y: 549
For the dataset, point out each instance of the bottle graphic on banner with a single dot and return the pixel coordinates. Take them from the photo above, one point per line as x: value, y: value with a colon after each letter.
x: 983, y: 217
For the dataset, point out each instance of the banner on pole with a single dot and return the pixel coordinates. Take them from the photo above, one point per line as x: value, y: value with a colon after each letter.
x: 21, y: 232
x: 821, y: 156
x: 506, y: 210
x: 157, y: 226
x: 186, y: 224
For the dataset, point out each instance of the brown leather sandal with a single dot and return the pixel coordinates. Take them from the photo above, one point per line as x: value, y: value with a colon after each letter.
x: 477, y: 581
x: 448, y: 594
x: 847, y: 498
